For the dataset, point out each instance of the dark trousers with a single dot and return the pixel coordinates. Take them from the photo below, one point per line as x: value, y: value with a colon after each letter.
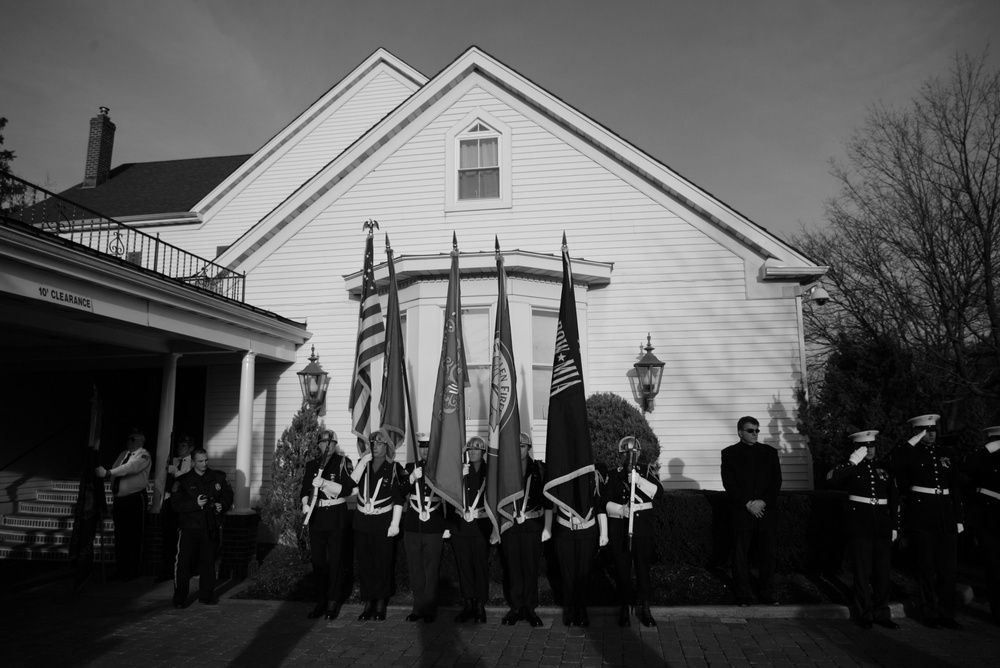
x: 576, y: 560
x: 745, y: 526
x: 937, y: 571
x: 989, y: 546
x: 522, y: 550
x: 129, y: 514
x: 326, y: 550
x: 641, y: 557
x: 374, y: 552
x: 472, y: 556
x: 195, y: 544
x: 168, y: 527
x: 423, y: 556
x: 870, y: 561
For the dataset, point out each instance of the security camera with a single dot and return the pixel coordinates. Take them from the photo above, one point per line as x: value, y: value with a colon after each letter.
x: 819, y: 295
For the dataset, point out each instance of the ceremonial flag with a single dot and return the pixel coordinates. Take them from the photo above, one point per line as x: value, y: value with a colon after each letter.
x: 567, y: 449
x: 91, y: 505
x: 444, y: 458
x: 371, y: 345
x: 503, y: 482
x: 392, y: 404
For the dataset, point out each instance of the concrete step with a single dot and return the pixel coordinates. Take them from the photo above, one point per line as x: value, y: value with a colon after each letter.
x: 58, y: 496
x: 18, y: 520
x: 41, y: 508
x: 49, y: 553
x: 56, y: 538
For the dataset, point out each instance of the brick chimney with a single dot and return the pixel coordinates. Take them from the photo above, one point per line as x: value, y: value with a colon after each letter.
x: 99, y: 146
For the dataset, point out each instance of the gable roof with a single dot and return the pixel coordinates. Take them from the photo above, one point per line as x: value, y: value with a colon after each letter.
x: 155, y: 188
x: 316, y: 193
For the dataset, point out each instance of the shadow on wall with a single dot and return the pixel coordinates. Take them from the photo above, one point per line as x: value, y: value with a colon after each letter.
x: 676, y: 478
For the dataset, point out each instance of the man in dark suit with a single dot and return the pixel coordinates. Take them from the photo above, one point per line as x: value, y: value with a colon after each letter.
x: 751, y: 475
x: 871, y: 518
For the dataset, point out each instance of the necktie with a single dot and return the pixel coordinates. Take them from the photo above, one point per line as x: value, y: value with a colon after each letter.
x: 117, y: 481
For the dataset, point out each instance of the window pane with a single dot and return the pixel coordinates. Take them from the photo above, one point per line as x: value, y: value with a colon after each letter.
x: 477, y: 395
x: 541, y: 384
x: 468, y: 185
x: 468, y: 152
x: 489, y: 183
x: 478, y: 335
x: 488, y: 152
x: 543, y: 336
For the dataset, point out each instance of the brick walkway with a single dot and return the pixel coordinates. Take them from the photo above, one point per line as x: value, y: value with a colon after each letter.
x: 134, y: 624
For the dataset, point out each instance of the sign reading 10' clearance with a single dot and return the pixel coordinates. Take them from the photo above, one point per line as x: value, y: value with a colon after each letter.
x: 66, y: 298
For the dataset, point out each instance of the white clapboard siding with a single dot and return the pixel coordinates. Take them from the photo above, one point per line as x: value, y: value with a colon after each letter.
x: 376, y: 95
x: 725, y: 355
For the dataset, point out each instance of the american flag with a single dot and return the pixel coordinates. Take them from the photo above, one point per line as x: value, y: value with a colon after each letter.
x: 371, y: 346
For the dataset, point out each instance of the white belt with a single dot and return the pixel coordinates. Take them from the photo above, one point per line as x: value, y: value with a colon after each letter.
x: 929, y: 490
x: 429, y: 506
x: 576, y: 527
x: 326, y: 503
x: 365, y: 510
x: 873, y: 500
x: 470, y: 515
x: 989, y: 492
x: 529, y: 515
x: 636, y: 507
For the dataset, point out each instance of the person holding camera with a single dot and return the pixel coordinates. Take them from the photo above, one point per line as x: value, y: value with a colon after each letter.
x: 200, y: 497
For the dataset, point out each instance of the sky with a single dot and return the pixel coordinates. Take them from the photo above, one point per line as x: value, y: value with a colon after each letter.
x: 748, y: 99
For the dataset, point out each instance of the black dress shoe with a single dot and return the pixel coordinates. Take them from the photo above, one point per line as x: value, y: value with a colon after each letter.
x: 379, y: 615
x: 865, y: 623
x: 744, y: 602
x: 480, y: 614
x: 179, y: 605
x: 510, y: 618
x: 582, y: 618
x: 769, y: 601
x: 950, y: 624
x: 367, y: 613
x: 887, y: 624
x: 428, y: 619
x: 532, y: 618
x: 317, y: 612
x: 467, y: 611
x: 413, y: 617
x: 332, y: 613
x: 646, y: 615
x: 624, y: 616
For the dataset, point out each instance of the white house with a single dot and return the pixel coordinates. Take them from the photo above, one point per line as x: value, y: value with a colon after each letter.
x: 482, y: 152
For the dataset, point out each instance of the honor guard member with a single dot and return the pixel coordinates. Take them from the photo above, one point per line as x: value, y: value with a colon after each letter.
x: 871, y: 517
x: 983, y: 468
x: 201, y: 497
x: 381, y: 486
x: 178, y: 464
x: 326, y: 484
x: 751, y: 475
x: 629, y: 498
x: 927, y: 475
x: 522, y: 542
x: 423, y: 536
x: 470, y: 535
x: 129, y: 479
x: 575, y: 542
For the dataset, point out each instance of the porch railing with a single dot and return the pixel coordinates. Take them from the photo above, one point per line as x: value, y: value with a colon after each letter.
x: 49, y: 213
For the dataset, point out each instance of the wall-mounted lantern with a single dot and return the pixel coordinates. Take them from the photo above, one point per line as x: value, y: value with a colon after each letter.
x: 314, y: 381
x: 650, y: 373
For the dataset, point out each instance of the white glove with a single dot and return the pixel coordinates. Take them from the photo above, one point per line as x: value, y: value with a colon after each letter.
x: 417, y: 474
x: 465, y: 469
x: 858, y: 455
x: 895, y: 535
x: 993, y: 447
x: 546, y: 534
x: 446, y: 535
x: 365, y: 458
x: 961, y: 527
x: 318, y: 481
x: 100, y: 471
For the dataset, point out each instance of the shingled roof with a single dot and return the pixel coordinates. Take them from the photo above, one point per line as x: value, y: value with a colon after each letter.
x: 150, y: 188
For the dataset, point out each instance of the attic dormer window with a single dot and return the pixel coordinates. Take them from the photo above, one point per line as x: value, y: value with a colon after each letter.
x: 478, y: 163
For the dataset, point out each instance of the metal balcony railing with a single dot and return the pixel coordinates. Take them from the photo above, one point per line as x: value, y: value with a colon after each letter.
x: 49, y: 213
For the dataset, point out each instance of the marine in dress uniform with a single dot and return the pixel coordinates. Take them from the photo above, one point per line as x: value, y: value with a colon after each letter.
x: 522, y: 543
x: 983, y: 468
x: 423, y: 536
x: 871, y: 517
x: 129, y: 480
x: 381, y: 495
x: 575, y: 542
x: 326, y: 484
x: 201, y: 497
x: 622, y: 503
x: 470, y: 535
x: 927, y: 475
x: 751, y: 475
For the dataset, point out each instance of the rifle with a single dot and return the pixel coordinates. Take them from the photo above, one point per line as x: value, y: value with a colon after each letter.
x: 630, y: 445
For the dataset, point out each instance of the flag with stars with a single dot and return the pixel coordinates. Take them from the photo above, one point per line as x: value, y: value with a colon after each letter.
x: 444, y: 454
x: 392, y: 403
x: 371, y: 346
x: 568, y: 456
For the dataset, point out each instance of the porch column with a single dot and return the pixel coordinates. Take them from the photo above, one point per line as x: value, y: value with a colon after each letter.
x: 244, y: 435
x: 168, y: 396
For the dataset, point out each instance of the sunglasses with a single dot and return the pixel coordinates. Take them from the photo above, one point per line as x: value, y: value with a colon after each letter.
x: 752, y: 431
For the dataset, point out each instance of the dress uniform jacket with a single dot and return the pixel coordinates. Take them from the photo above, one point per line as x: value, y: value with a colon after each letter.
x: 530, y: 517
x: 474, y: 489
x: 864, y: 482
x: 470, y: 539
x: 617, y: 491
x: 983, y: 469
x: 432, y: 520
x: 184, y: 497
x: 522, y: 541
x: 329, y: 513
x: 377, y: 495
x: 936, y: 507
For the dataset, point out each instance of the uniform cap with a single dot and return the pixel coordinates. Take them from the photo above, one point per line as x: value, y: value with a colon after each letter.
x: 327, y: 433
x: 924, y: 421
x: 476, y: 443
x: 525, y: 438
x: 864, y: 436
x: 423, y: 438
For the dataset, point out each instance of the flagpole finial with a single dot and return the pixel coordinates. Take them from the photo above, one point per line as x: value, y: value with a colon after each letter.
x: 371, y: 225
x: 454, y: 242
x: 564, y: 245
x: 388, y: 248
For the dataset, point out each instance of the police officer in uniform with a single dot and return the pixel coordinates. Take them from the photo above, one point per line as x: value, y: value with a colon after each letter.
x: 326, y: 484
x: 423, y: 536
x: 381, y: 486
x: 871, y: 517
x: 179, y: 464
x: 927, y: 475
x: 983, y: 468
x: 575, y: 541
x: 629, y: 494
x: 201, y: 497
x: 522, y: 542
x: 470, y: 535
